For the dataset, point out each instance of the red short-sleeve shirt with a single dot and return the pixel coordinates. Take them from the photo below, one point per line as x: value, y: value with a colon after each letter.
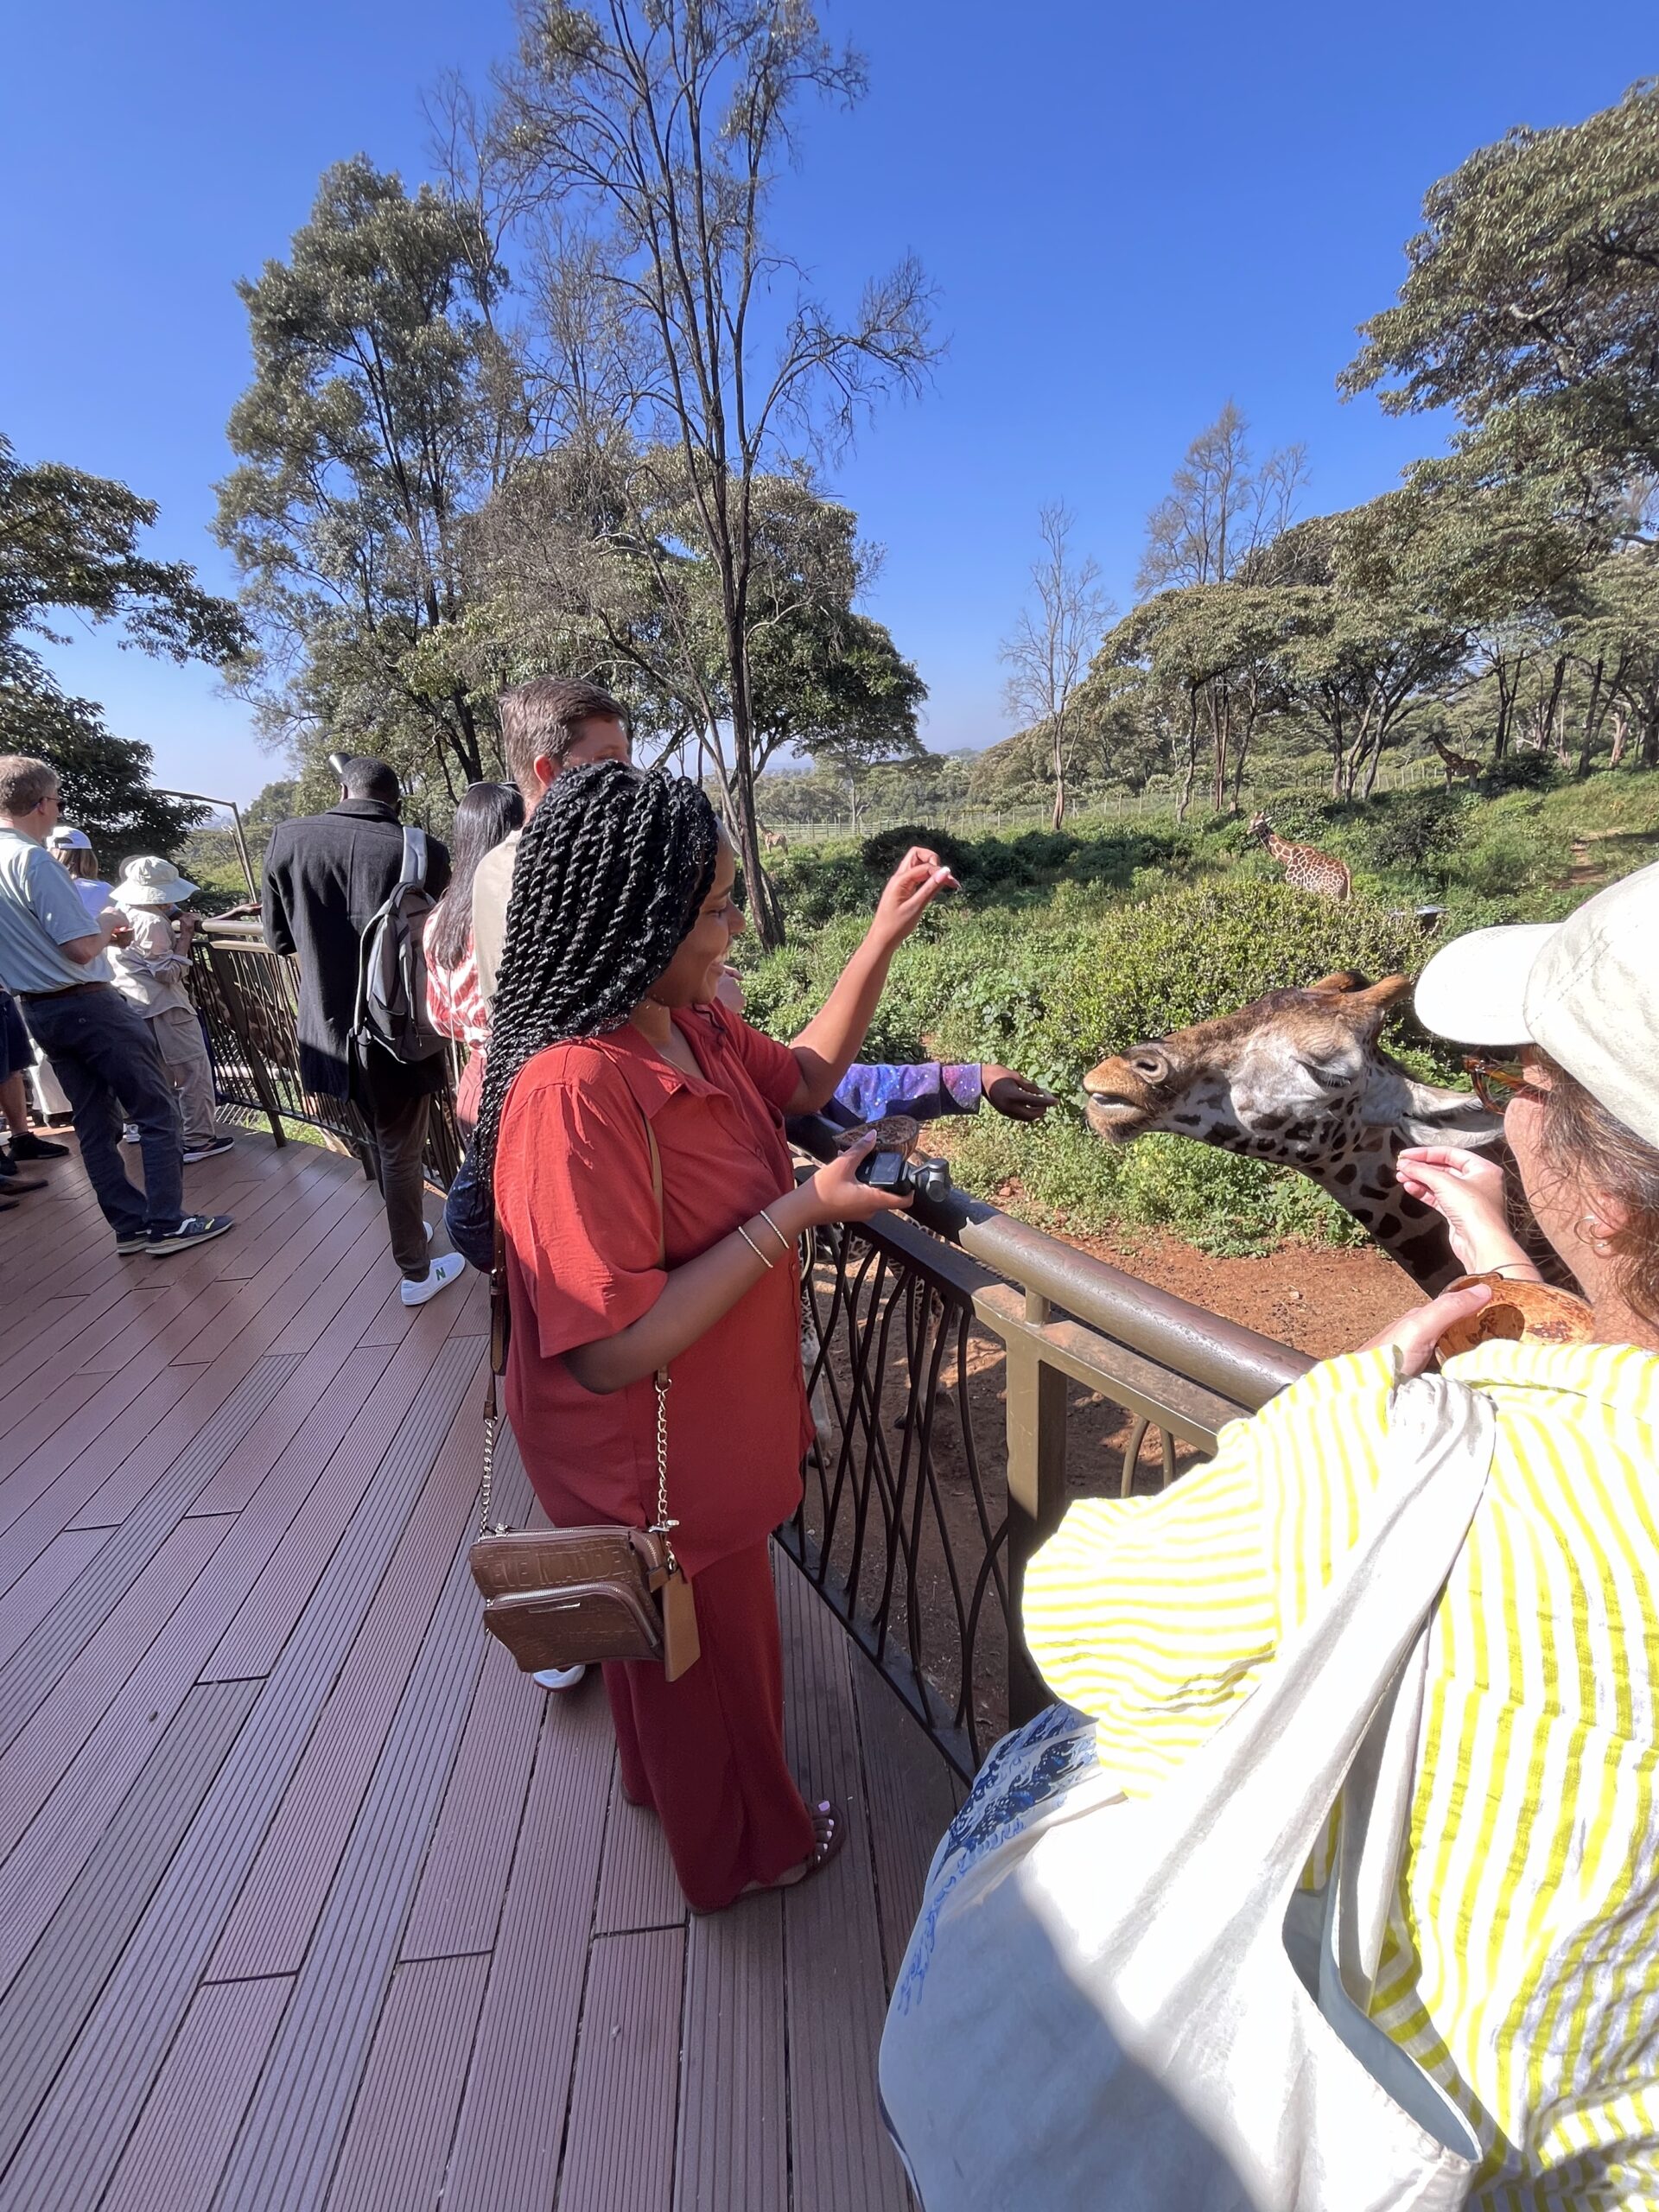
x: 573, y: 1188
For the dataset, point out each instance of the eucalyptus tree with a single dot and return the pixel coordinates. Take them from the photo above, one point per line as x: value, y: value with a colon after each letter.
x: 385, y: 407
x: 647, y: 134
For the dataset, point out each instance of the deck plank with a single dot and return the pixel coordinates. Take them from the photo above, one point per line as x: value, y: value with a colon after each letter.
x: 270, y: 1929
x: 913, y: 1799
x: 178, y: 2150
x: 507, y: 2152
x: 733, y: 2140
x: 47, y: 2002
x: 619, y: 2152
x: 637, y: 1887
x: 396, y: 2148
x: 102, y: 2088
x: 842, y: 2160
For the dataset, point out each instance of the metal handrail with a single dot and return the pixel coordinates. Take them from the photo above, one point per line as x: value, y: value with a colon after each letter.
x: 1221, y: 1356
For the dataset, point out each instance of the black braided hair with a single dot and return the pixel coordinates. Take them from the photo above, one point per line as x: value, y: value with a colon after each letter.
x: 610, y: 873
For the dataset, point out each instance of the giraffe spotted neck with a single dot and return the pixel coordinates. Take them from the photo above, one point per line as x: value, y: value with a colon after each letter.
x: 1298, y: 1079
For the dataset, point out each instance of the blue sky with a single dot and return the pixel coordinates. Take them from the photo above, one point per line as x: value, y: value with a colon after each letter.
x: 1131, y: 216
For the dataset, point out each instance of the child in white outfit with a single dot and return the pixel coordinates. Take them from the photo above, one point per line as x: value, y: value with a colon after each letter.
x: 150, y: 972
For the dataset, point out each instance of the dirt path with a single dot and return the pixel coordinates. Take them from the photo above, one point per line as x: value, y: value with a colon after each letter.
x: 1315, y: 1299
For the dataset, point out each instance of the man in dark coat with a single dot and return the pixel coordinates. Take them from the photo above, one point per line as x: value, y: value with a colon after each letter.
x: 327, y: 876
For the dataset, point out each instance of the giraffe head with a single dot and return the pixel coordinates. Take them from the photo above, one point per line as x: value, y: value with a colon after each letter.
x: 1260, y: 827
x: 1299, y: 1078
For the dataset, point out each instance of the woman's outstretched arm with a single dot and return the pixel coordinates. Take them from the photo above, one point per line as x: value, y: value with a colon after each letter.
x: 831, y: 1042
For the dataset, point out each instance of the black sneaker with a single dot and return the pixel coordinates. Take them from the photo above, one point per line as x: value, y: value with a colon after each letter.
x: 139, y: 1241
x: 209, y: 1151
x: 29, y: 1146
x: 194, y: 1229
x: 15, y: 1185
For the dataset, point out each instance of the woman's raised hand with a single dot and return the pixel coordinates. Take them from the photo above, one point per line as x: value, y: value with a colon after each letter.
x: 837, y: 1194
x: 910, y: 891
x: 1467, y: 1189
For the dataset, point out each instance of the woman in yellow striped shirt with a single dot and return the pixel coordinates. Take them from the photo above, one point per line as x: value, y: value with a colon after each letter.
x: 1522, y: 1967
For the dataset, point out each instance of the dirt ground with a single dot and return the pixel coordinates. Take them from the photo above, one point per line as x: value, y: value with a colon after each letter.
x: 1317, y: 1300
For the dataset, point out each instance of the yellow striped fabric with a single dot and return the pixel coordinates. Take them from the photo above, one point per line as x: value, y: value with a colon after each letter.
x: 1522, y: 1961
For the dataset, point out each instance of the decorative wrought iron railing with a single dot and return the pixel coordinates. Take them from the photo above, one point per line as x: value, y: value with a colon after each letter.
x: 969, y: 1376
x: 246, y: 994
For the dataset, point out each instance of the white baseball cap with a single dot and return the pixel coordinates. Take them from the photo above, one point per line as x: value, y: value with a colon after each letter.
x: 68, y: 840
x: 1585, y: 990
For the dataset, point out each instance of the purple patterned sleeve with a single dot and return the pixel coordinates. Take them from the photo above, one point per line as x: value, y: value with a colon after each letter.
x: 926, y: 1089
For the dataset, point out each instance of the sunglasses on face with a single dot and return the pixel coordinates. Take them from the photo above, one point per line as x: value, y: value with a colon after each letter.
x: 1498, y: 1083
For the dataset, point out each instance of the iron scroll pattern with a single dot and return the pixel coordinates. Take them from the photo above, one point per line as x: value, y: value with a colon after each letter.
x: 245, y: 993
x: 899, y: 1530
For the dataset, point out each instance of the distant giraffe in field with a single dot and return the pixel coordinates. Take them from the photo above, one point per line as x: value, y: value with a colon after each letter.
x: 1306, y: 867
x: 1456, y: 764
x: 773, y: 841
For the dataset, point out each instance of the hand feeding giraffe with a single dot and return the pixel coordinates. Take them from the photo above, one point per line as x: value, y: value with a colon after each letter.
x: 1298, y: 1078
x: 1306, y: 867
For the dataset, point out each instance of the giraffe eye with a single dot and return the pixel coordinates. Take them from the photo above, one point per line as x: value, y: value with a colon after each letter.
x: 1149, y: 1064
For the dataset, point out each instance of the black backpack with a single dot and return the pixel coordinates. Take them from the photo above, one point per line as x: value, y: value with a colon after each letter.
x: 392, y: 966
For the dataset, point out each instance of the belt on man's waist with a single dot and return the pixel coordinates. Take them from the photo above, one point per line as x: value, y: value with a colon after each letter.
x: 33, y: 998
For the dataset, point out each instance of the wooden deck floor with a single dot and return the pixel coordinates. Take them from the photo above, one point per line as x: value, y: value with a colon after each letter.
x: 307, y: 1897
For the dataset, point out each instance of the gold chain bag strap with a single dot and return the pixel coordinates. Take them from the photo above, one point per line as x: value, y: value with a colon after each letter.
x: 578, y: 1596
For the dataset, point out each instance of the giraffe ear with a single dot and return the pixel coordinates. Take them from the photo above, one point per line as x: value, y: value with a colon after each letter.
x: 1380, y: 998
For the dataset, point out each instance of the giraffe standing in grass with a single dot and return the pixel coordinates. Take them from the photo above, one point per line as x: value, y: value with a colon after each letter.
x: 1306, y: 867
x: 1458, y: 766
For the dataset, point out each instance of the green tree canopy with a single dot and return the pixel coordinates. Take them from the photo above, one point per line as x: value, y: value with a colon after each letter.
x: 1531, y: 304
x: 69, y: 543
x: 385, y: 408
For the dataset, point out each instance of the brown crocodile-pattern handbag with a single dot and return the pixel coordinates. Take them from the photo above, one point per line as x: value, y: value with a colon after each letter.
x: 578, y: 1597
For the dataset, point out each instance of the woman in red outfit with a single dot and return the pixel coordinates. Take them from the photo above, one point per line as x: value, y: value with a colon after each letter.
x: 605, y: 1021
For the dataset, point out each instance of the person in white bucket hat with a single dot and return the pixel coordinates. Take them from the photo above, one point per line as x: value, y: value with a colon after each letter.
x: 150, y: 973
x: 1521, y: 1969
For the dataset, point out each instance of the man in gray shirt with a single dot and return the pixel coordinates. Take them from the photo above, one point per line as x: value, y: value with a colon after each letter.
x: 53, y: 960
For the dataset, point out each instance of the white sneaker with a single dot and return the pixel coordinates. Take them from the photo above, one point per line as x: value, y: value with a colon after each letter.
x: 559, y: 1678
x: 442, y: 1272
x: 130, y: 1133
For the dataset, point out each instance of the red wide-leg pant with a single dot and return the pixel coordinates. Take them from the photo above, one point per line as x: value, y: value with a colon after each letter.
x: 706, y: 1753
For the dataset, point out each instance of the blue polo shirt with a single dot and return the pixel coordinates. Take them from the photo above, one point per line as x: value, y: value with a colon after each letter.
x: 40, y: 910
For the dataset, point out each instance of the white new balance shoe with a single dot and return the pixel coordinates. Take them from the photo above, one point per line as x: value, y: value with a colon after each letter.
x: 559, y: 1678
x: 440, y: 1274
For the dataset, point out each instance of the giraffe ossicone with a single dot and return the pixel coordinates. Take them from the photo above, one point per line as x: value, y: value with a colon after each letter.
x: 1299, y: 1078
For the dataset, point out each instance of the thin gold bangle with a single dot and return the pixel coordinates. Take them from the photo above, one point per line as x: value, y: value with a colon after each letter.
x: 1504, y: 1270
x: 776, y: 1231
x: 766, y: 1263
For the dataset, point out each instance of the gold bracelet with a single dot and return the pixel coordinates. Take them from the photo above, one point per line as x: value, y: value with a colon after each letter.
x: 776, y: 1231
x: 766, y: 1263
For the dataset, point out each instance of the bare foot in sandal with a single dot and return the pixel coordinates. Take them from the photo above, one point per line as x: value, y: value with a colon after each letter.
x: 829, y: 1833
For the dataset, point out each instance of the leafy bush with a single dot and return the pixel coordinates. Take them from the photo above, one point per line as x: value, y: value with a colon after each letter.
x: 882, y: 852
x: 1519, y: 771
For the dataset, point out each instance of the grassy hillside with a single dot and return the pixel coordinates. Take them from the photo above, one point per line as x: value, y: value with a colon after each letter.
x: 1061, y: 947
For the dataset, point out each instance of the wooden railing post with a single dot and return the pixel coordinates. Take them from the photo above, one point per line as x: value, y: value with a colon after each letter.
x: 1036, y: 1492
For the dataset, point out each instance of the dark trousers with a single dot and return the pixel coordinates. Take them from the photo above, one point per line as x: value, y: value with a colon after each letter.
x: 102, y: 1054
x: 397, y: 1120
